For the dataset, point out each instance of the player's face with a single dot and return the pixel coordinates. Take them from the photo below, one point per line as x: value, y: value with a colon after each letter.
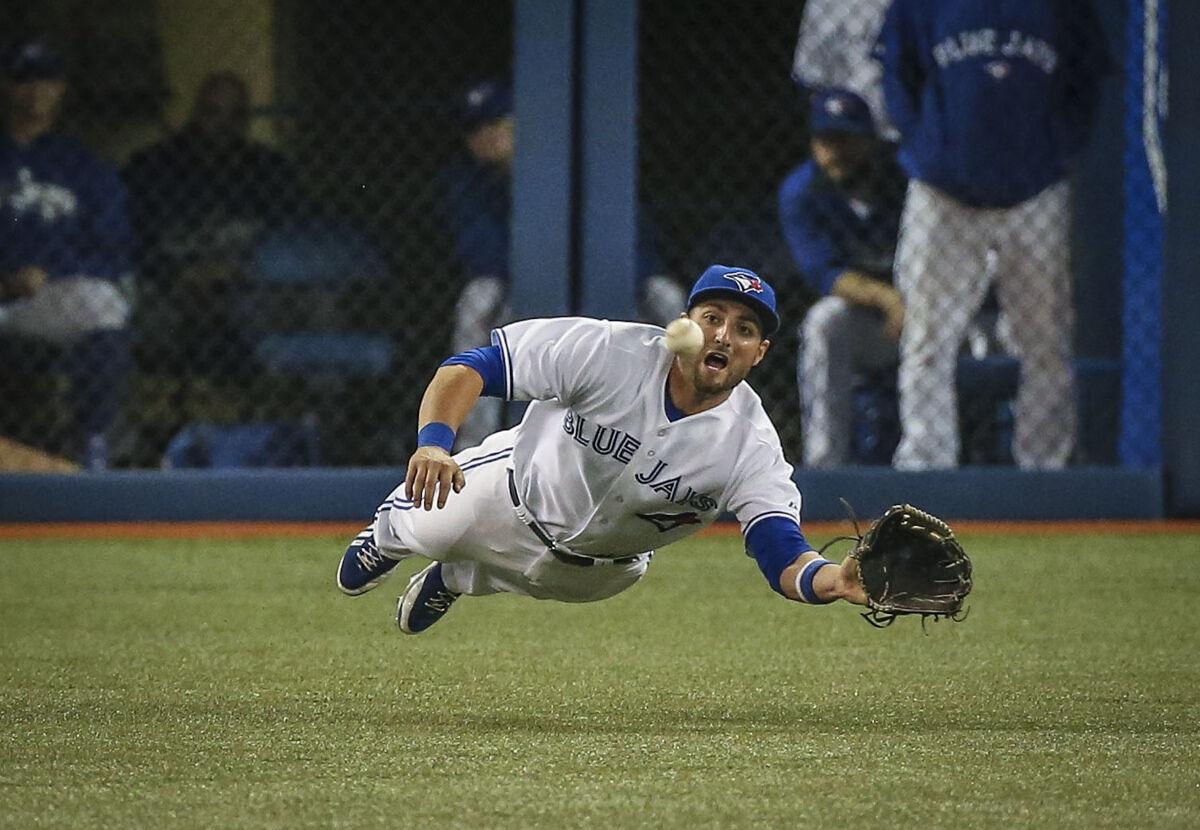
x: 222, y: 108
x: 37, y: 99
x: 845, y: 157
x: 733, y: 345
x: 492, y: 143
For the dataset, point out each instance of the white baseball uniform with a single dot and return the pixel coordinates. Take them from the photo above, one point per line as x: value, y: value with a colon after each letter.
x: 483, y: 305
x: 596, y: 465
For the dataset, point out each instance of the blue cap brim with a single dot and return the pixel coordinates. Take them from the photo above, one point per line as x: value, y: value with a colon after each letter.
x: 766, y: 315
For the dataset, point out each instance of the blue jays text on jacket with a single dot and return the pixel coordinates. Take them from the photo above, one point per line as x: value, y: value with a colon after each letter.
x: 992, y: 98
x: 62, y: 209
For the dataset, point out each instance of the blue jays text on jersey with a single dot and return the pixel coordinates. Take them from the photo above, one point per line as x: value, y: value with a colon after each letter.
x: 621, y: 446
x: 989, y: 43
x: 61, y: 209
x: 992, y: 98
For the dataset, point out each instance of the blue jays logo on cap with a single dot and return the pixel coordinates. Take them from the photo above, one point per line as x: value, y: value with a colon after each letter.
x: 745, y: 281
x: 486, y: 101
x: 739, y: 284
x: 840, y: 111
x: 33, y: 59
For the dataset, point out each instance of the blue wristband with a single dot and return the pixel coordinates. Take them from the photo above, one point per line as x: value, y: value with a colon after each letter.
x: 436, y: 434
x: 804, y: 583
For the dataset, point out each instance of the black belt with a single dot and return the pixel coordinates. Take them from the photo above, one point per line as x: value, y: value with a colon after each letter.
x: 546, y: 539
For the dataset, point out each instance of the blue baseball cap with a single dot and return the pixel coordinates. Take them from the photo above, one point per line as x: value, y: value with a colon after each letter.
x: 739, y: 284
x: 840, y: 111
x: 34, y: 59
x: 486, y: 101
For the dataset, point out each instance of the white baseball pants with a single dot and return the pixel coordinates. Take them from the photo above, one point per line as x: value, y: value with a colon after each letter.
x: 838, y: 339
x: 485, y: 548
x: 942, y: 272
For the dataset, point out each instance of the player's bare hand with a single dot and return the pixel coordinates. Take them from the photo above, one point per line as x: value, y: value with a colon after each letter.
x: 24, y: 282
x: 432, y: 474
x: 848, y: 585
x: 892, y: 306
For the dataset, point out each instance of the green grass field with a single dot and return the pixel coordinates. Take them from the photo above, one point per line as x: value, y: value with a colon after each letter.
x: 227, y: 684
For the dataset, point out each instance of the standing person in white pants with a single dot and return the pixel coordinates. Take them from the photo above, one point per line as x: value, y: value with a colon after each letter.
x: 992, y: 101
x: 1028, y: 244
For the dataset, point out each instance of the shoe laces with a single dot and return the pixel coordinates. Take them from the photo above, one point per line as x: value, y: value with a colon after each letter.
x: 370, y: 558
x: 441, y: 601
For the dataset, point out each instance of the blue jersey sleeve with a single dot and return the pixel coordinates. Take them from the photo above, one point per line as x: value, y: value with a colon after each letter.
x: 475, y: 206
x: 489, y: 363
x: 902, y: 73
x: 775, y: 543
x: 812, y: 248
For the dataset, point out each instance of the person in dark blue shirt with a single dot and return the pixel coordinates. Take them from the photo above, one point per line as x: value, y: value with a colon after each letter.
x: 475, y: 203
x: 840, y: 213
x: 199, y: 199
x: 64, y: 254
x: 993, y: 100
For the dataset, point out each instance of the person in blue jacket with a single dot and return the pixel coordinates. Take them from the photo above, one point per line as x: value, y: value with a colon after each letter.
x: 840, y: 214
x: 65, y: 245
x: 993, y: 99
x: 475, y: 202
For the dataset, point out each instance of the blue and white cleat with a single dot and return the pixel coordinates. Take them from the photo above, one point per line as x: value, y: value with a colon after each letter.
x: 363, y: 566
x: 425, y: 602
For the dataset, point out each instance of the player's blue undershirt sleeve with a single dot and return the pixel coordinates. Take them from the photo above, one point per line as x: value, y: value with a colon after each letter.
x: 775, y: 542
x: 488, y: 362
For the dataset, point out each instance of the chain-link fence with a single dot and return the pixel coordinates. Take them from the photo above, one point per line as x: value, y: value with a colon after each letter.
x: 263, y: 210
x: 900, y: 294
x: 282, y: 215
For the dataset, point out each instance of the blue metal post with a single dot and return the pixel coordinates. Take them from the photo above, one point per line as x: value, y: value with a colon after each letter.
x: 543, y: 83
x: 608, y: 168
x: 1181, y: 279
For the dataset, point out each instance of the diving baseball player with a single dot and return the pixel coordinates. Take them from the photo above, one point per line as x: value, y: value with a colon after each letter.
x: 993, y: 99
x: 627, y: 446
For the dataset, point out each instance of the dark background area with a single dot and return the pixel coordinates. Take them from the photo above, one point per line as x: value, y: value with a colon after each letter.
x: 365, y: 104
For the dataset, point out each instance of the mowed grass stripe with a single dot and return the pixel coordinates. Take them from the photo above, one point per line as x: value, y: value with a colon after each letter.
x: 226, y: 683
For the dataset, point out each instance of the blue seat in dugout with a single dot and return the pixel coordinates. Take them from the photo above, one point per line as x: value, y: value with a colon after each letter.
x: 313, y: 314
x: 314, y: 270
x: 223, y: 446
x: 987, y: 387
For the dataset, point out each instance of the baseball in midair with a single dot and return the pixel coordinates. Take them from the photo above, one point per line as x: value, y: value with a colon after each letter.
x: 684, y: 337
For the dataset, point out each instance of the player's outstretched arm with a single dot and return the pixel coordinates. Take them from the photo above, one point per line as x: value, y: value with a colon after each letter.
x: 822, y: 582
x: 432, y: 472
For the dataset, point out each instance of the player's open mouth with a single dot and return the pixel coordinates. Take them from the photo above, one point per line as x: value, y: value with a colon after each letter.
x: 716, y: 361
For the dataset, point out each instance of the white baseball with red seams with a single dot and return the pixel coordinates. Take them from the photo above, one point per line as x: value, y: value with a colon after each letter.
x: 684, y: 337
